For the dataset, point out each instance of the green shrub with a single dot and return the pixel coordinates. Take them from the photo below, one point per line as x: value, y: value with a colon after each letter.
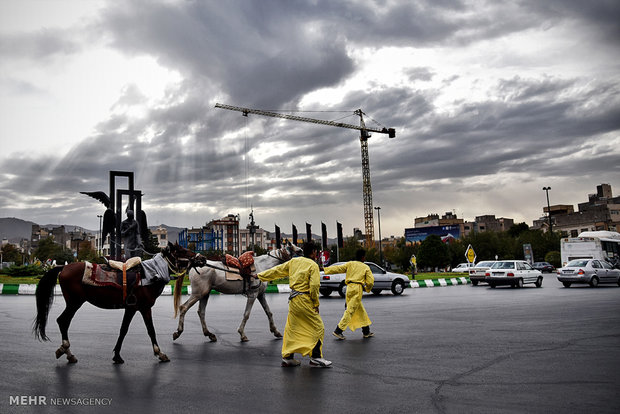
x: 23, y: 270
x: 554, y: 257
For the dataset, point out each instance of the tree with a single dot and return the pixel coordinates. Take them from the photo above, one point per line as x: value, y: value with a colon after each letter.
x: 516, y: 229
x: 433, y: 253
x: 347, y: 253
x: 490, y: 244
x: 554, y: 258
x: 258, y: 251
x: 86, y: 251
x: 11, y: 254
x: 400, y: 254
x: 48, y: 249
x: 456, y: 250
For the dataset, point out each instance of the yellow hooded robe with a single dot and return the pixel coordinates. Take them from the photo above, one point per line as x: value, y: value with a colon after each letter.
x: 304, y: 326
x: 359, y: 279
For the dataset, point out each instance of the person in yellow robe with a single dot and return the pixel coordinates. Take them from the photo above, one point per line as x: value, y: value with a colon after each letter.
x: 304, y: 328
x: 359, y: 279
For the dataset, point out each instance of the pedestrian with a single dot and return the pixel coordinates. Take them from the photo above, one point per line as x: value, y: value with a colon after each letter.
x: 304, y: 328
x: 359, y: 279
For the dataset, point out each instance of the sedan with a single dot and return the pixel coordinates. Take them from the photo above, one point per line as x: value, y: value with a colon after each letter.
x: 515, y: 273
x: 384, y: 280
x: 462, y: 268
x: 478, y: 272
x: 590, y: 271
x: 543, y: 267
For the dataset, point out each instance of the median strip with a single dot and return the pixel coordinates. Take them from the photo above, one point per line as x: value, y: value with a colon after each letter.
x: 29, y: 289
x: 440, y: 282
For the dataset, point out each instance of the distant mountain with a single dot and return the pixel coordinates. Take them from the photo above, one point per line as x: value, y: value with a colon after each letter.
x: 69, y: 228
x: 15, y: 229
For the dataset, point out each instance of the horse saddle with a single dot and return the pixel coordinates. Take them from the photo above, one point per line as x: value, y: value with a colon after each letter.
x: 244, y: 264
x: 101, y: 275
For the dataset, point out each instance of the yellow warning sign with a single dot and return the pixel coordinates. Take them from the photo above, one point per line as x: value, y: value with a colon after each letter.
x: 470, y: 254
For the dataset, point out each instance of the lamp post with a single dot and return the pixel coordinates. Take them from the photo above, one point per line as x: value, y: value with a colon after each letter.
x: 100, y: 244
x: 546, y: 190
x: 379, y: 221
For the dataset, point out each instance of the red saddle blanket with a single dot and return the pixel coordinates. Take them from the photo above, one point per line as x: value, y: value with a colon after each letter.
x: 97, y: 275
x: 245, y: 262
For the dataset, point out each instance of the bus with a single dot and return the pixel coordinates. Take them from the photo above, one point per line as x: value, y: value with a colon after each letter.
x: 602, y: 245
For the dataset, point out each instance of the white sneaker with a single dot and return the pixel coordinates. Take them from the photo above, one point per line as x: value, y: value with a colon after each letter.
x: 290, y: 362
x: 322, y: 362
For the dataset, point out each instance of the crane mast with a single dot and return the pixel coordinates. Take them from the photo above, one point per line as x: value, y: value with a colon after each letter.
x: 364, y: 135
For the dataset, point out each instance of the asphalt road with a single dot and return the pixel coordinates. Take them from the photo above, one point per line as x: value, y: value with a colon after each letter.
x: 458, y: 349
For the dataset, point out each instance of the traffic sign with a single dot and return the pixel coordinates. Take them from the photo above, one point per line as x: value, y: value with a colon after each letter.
x: 470, y: 254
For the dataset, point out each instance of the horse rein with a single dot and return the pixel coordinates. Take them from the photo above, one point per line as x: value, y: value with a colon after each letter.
x: 174, y: 268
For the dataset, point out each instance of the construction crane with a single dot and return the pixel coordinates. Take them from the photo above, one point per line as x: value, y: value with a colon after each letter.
x: 364, y: 135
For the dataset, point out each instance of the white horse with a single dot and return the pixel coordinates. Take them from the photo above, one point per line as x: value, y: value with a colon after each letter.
x: 212, y: 276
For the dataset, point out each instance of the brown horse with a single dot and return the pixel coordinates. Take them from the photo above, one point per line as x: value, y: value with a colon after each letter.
x: 75, y: 293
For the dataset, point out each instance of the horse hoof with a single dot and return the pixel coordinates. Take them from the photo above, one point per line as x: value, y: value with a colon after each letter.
x: 244, y: 339
x: 59, y: 352
x: 72, y: 359
x: 175, y: 336
x: 213, y: 338
x: 277, y: 334
x: 118, y: 360
x: 164, y: 358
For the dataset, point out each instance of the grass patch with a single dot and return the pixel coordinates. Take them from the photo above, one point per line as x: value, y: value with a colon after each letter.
x: 443, y: 275
x: 19, y: 280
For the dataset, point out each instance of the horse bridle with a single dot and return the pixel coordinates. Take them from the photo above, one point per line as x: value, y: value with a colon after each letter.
x: 286, y: 256
x: 174, y: 268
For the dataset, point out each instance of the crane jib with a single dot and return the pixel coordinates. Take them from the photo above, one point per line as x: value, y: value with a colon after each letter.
x: 245, y: 111
x: 367, y: 189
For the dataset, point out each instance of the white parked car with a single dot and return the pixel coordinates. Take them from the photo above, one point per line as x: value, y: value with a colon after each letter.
x: 515, y: 273
x: 462, y: 268
x: 384, y: 280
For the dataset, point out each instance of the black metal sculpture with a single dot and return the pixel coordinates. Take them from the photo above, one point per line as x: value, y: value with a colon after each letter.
x: 112, y: 219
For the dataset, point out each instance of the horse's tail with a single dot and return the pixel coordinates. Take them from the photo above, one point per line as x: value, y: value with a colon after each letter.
x: 44, y: 297
x: 178, y: 286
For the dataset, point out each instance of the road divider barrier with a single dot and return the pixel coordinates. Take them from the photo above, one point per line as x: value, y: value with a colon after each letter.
x: 29, y: 289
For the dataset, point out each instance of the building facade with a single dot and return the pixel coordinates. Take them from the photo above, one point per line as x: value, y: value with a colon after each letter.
x: 228, y: 228
x: 600, y: 212
x: 162, y: 236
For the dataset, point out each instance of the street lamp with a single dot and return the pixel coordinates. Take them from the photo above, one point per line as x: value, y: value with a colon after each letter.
x: 546, y: 190
x: 100, y: 246
x: 379, y: 221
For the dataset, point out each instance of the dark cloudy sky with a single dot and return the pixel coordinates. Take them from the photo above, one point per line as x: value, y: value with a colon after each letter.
x: 490, y: 100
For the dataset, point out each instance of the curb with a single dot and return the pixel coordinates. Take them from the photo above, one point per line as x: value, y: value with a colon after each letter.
x: 440, y: 282
x: 11, y: 289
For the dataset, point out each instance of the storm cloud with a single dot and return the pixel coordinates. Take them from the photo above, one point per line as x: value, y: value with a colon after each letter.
x: 490, y: 103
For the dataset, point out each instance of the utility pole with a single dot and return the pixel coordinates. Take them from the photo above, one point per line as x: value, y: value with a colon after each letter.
x: 100, y: 244
x: 379, y: 221
x: 546, y: 189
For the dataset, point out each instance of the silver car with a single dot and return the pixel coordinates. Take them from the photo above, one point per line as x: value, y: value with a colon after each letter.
x: 384, y: 280
x: 515, y: 273
x: 590, y: 271
x: 478, y: 272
